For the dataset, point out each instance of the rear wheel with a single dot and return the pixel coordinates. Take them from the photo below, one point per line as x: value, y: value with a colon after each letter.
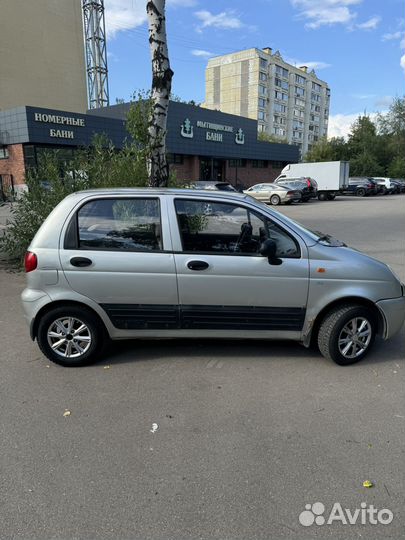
x: 360, y: 192
x: 347, y: 333
x: 275, y: 200
x: 70, y: 336
x: 322, y: 197
x: 331, y: 197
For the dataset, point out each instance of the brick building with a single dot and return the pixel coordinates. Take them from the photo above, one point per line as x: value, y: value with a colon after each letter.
x: 202, y: 144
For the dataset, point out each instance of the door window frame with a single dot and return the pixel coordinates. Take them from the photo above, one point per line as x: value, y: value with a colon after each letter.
x: 260, y: 215
x: 70, y: 235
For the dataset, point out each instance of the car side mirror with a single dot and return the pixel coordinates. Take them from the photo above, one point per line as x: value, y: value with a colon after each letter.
x: 268, y: 249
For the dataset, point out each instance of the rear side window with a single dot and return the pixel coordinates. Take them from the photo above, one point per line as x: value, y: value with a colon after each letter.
x: 120, y: 224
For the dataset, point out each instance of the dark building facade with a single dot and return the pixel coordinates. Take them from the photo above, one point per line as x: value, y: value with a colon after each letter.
x: 202, y: 144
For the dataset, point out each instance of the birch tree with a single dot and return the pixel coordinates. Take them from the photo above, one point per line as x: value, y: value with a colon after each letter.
x: 158, y: 169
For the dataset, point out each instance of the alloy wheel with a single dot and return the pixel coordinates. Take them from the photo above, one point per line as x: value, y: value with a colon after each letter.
x: 355, y: 337
x: 69, y: 337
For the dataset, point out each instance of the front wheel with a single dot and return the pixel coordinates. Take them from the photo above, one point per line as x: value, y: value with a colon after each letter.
x: 275, y: 200
x: 70, y: 336
x: 347, y: 334
x: 361, y: 192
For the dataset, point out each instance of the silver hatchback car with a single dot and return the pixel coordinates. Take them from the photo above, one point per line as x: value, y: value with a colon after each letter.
x: 155, y: 263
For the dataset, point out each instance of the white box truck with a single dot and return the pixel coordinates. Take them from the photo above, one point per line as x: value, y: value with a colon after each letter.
x: 331, y: 176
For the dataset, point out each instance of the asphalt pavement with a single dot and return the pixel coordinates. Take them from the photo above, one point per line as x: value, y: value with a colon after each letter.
x: 206, y: 439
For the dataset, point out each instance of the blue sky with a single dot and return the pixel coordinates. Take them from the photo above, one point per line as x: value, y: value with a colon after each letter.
x: 357, y: 46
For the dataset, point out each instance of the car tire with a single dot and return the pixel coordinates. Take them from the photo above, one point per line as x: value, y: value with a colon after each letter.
x: 91, y: 338
x: 330, y: 197
x: 322, y: 197
x: 334, y: 334
x: 360, y: 192
x: 275, y: 200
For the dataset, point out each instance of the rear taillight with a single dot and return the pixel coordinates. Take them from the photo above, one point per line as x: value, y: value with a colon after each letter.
x: 290, y: 192
x: 308, y: 183
x: 30, y: 261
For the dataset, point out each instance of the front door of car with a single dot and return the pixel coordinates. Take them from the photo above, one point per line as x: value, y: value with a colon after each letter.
x: 223, y: 281
x: 117, y: 252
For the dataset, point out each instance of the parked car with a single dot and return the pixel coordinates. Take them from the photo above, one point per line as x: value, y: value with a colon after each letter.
x: 401, y: 182
x: 360, y: 187
x: 397, y: 186
x: 273, y: 193
x: 220, y: 186
x: 297, y: 184
x: 385, y: 185
x: 150, y: 263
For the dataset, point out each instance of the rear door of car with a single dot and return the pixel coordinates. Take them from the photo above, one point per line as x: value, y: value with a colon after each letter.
x: 224, y: 283
x: 117, y: 251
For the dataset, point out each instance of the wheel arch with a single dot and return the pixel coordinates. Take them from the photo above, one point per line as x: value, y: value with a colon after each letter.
x: 312, y: 336
x: 62, y: 303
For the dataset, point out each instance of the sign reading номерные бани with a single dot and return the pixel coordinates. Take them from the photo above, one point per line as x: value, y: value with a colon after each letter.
x: 57, y: 119
x: 212, y: 133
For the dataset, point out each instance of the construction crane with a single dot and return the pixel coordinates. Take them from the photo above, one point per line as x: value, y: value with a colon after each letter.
x: 96, y: 53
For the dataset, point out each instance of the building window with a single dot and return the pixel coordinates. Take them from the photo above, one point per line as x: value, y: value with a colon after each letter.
x: 259, y: 164
x: 262, y: 102
x: 299, y: 91
x: 316, y: 87
x: 4, y: 152
x: 262, y: 76
x: 279, y: 119
x: 263, y: 63
x: 282, y: 71
x: 315, y: 97
x: 279, y: 131
x: 261, y: 128
x: 280, y: 95
x: 237, y: 163
x: 315, y: 108
x: 299, y: 79
x: 299, y: 102
x: 262, y: 90
x: 261, y: 115
x: 280, y: 108
x: 177, y: 159
x: 298, y: 125
x: 298, y: 113
x: 281, y: 84
x: 297, y: 134
x: 277, y: 164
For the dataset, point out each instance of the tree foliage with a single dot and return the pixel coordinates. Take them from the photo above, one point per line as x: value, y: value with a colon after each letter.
x: 267, y: 137
x: 374, y: 148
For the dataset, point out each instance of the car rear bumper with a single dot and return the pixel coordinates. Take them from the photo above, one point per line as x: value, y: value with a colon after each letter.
x: 393, y: 312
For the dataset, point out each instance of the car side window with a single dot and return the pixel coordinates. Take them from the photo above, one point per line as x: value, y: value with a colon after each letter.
x: 120, y: 224
x: 225, y: 228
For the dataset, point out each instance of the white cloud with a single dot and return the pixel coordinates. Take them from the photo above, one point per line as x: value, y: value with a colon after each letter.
x: 312, y: 64
x: 391, y: 35
x: 371, y: 24
x: 326, y: 12
x: 340, y: 124
x: 225, y: 20
x: 402, y: 62
x: 201, y: 53
x: 123, y: 15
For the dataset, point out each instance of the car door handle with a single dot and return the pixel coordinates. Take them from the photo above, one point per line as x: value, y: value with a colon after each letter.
x: 197, y: 265
x: 80, y: 261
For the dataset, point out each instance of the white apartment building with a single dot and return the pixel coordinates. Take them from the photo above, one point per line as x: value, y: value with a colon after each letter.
x: 287, y: 101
